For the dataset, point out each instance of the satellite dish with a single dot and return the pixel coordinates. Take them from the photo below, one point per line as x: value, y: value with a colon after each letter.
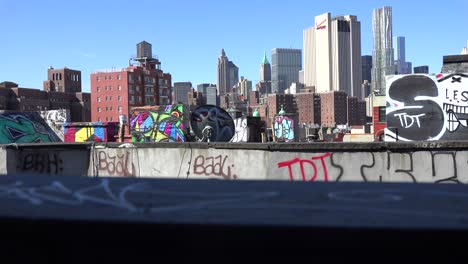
x: 212, y: 124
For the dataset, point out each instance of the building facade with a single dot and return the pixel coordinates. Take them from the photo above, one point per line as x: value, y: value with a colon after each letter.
x: 62, y: 80
x: 114, y: 92
x: 228, y: 74
x: 402, y: 66
x: 285, y: 67
x: 181, y: 90
x: 422, y: 69
x: 366, y: 61
x: 334, y: 109
x: 209, y: 91
x: 383, y: 54
x: 265, y: 74
x: 15, y: 98
x: 332, y: 54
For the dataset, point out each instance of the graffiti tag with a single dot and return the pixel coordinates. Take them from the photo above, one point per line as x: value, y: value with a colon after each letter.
x: 407, y: 121
x: 41, y: 162
x: 118, y: 165
x: 302, y: 162
x: 213, y: 166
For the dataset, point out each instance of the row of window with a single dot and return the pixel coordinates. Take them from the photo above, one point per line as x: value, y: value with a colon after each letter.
x: 109, y: 98
x: 108, y: 77
x: 108, y: 88
x: 109, y: 108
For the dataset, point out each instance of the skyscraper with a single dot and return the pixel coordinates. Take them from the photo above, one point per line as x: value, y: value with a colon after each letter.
x: 265, y: 72
x: 286, y: 64
x: 402, y: 66
x: 228, y: 74
x: 383, y: 54
x: 181, y: 90
x: 366, y: 68
x: 332, y: 54
x: 421, y: 69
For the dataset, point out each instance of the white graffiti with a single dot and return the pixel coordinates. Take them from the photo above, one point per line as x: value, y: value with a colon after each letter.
x: 127, y: 198
x: 242, y: 131
x: 407, y: 121
x: 56, y: 119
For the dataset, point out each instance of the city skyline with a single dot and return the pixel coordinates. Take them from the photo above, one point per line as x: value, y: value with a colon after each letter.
x: 103, y: 37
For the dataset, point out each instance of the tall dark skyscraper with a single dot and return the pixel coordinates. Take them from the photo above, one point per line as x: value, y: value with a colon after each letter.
x: 402, y: 66
x: 286, y: 64
x: 228, y: 74
x: 265, y: 73
x: 366, y: 68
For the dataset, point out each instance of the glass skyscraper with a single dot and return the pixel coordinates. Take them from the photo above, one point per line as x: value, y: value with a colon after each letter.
x: 285, y: 67
x: 383, y: 54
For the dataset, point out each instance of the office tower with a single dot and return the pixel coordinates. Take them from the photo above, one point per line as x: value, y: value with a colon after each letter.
x: 286, y: 64
x: 245, y: 87
x: 209, y: 91
x: 265, y: 73
x: 421, y: 69
x: 332, y: 54
x: 402, y: 66
x: 228, y: 74
x: 62, y: 80
x: 383, y: 59
x: 181, y: 90
x: 366, y: 62
x: 115, y: 92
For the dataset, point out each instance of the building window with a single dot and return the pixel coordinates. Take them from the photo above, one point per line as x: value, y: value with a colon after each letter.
x: 111, y: 119
x: 382, y: 114
x: 99, y: 109
x: 105, y: 77
x: 120, y: 109
x: 99, y: 119
x: 106, y: 98
x: 98, y: 99
x: 119, y: 98
x: 107, y: 118
x: 110, y: 108
x: 110, y: 88
x: 138, y: 88
x: 98, y: 89
x: 107, y: 108
x: 119, y: 77
x: 110, y: 77
x: 110, y: 98
x: 119, y: 87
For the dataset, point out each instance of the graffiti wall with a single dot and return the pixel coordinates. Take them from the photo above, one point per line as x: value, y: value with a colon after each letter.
x: 283, y: 128
x: 56, y: 119
x: 158, y: 124
x: 91, y: 132
x: 426, y: 107
x: 431, y: 163
x: 25, y: 127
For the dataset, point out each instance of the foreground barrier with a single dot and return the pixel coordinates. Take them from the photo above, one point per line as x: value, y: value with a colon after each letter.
x: 441, y: 162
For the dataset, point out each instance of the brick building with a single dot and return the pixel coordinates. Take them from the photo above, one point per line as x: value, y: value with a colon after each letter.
x: 276, y: 101
x: 57, y: 94
x: 334, y: 109
x: 305, y: 108
x: 114, y: 92
x: 63, y: 80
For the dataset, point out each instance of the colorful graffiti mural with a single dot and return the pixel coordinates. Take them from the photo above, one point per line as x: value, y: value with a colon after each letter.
x: 158, y: 124
x: 427, y: 107
x: 91, y: 132
x: 283, y: 127
x: 25, y: 127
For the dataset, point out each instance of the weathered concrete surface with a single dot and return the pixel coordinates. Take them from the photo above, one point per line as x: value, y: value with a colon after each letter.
x: 429, y: 162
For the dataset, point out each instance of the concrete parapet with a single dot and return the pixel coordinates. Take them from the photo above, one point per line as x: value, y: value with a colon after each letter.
x: 439, y: 162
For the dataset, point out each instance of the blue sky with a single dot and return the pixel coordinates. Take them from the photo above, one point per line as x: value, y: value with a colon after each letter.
x: 189, y: 35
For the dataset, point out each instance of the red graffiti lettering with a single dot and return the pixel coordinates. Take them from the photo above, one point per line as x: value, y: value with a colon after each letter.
x: 213, y: 166
x: 304, y: 175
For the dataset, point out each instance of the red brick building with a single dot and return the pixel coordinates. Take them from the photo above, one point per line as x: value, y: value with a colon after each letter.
x: 114, y: 92
x: 305, y: 108
x: 334, y: 109
x: 63, y: 80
